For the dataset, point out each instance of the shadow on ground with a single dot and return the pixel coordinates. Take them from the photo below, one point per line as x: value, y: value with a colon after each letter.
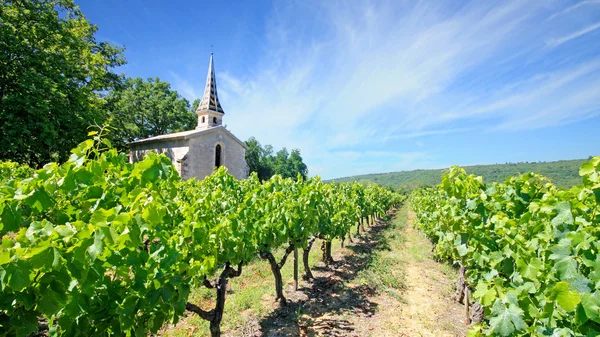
x: 321, y: 311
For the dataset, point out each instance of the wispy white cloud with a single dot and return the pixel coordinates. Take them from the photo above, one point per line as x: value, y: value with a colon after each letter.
x: 574, y: 7
x: 363, y: 162
x: 365, y: 75
x: 558, y: 41
x: 185, y: 88
x: 427, y: 133
x: 542, y: 100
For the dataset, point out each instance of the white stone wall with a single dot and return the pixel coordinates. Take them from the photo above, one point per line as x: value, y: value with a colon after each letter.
x: 195, y: 157
x: 201, y: 156
x: 174, y: 149
x: 206, y: 118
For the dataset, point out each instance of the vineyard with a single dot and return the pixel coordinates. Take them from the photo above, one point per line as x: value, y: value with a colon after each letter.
x: 97, y: 246
x: 529, y: 253
x: 188, y: 214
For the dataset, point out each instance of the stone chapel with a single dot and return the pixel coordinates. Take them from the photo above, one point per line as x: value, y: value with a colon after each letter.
x: 196, y: 153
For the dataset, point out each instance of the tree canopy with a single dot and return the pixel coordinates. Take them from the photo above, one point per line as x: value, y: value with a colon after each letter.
x: 141, y: 109
x: 57, y: 80
x: 564, y: 173
x: 53, y: 74
x: 266, y: 164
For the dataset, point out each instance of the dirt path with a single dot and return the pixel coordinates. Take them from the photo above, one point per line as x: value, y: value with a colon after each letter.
x: 427, y: 308
x: 385, y: 285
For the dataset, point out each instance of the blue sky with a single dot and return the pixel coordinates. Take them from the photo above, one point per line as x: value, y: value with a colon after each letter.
x: 365, y: 87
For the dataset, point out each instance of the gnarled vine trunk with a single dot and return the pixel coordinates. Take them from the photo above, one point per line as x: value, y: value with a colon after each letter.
x: 296, y: 268
x: 326, y: 249
x: 477, y: 314
x: 276, y: 270
x: 215, y: 316
x: 305, y: 254
x: 461, y: 284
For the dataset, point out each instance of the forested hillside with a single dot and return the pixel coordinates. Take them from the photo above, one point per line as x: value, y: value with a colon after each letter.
x: 564, y: 174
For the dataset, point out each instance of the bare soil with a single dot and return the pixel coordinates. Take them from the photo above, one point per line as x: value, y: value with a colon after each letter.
x: 339, y: 303
x: 429, y: 308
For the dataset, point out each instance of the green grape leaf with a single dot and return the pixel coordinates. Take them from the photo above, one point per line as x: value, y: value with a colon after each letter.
x: 564, y: 214
x: 46, y: 259
x: 566, y: 298
x: 101, y: 216
x: 506, y: 320
x: 96, y: 248
x: 590, y: 304
x: 11, y: 219
x: 4, y: 257
x: 151, y: 174
x: 64, y: 231
x: 579, y: 283
x: 152, y: 214
x: 530, y: 270
x: 18, y: 275
x: 25, y: 322
x: 40, y: 200
x: 587, y: 168
x: 127, y: 311
x: 485, y: 294
x: 562, y: 250
x: 52, y: 299
x: 567, y: 268
x: 462, y: 250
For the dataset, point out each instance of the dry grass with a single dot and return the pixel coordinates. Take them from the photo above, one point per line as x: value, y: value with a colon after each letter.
x: 426, y: 308
x: 385, y: 284
x: 249, y: 297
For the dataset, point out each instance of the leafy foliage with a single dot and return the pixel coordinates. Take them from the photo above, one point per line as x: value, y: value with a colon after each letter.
x: 52, y: 74
x: 532, y: 251
x: 262, y: 161
x: 140, y: 109
x: 563, y: 173
x: 14, y: 171
x: 99, y: 246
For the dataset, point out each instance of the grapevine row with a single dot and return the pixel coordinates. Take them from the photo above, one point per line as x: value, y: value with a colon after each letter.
x: 531, y: 251
x: 97, y: 246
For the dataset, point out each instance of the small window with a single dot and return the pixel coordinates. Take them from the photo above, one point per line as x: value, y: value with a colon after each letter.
x: 203, y: 119
x: 218, y: 155
x: 214, y: 120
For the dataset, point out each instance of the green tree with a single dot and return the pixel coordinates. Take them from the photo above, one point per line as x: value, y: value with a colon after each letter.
x: 253, y: 154
x: 257, y: 159
x: 296, y: 164
x: 262, y: 161
x: 52, y: 76
x: 289, y: 165
x: 141, y: 109
x: 195, y: 104
x: 280, y: 163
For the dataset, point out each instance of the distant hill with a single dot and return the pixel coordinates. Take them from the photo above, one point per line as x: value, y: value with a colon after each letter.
x: 564, y: 174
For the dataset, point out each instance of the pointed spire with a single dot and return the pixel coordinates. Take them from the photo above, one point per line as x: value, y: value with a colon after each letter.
x: 210, y: 100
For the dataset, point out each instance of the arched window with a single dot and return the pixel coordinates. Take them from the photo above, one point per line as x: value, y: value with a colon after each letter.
x: 203, y: 119
x: 218, y: 155
x: 214, y: 120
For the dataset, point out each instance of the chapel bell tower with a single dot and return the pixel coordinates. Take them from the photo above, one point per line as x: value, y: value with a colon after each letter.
x: 209, y: 111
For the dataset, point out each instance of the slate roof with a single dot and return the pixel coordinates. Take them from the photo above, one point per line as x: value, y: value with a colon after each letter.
x: 210, y: 100
x: 187, y: 135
